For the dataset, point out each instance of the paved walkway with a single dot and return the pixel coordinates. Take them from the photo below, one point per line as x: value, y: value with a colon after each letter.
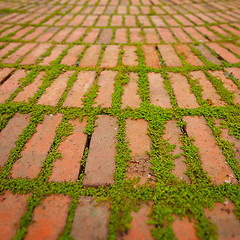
x: 119, y: 119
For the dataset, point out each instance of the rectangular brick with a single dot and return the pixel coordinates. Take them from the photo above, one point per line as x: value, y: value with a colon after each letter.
x: 230, y: 29
x: 169, y: 56
x: 91, y: 56
x: 89, y: 21
x: 14, y: 57
x: 106, y: 83
x: 151, y: 35
x: 195, y: 34
x: 183, y: 20
x: 22, y: 32
x: 30, y: 90
x: 136, y: 35
x: 91, y: 36
x: 224, y: 53
x: 10, y: 220
x: 139, y: 144
x: 181, y: 35
x: 130, y: 96
x: 232, y: 47
x: 211, y: 156
x: 158, y: 94
x: 11, y: 85
x: 76, y: 21
x: 10, y: 134
x: 73, y: 55
x: 144, y: 21
x: 209, y: 92
x: 194, y: 19
x: 130, y: 56
x: 157, y: 21
x: 53, y: 93
x: 9, y: 47
x: 62, y: 34
x: 52, y: 20
x: 166, y: 35
x: 82, y: 85
x: 182, y: 92
x: 103, y: 21
x: 117, y: 20
x: 72, y: 148
x: 31, y: 36
x: 55, y: 53
x: 49, y: 218
x: 90, y: 220
x: 105, y: 36
x: 36, y: 149
x: 110, y: 57
x: 170, y: 21
x: 9, y: 31
x: 151, y: 56
x: 188, y: 55
x: 209, y: 34
x: 76, y: 35
x: 5, y: 73
x: 47, y: 34
x: 99, y: 10
x: 100, y: 165
x: 64, y: 20
x: 33, y: 56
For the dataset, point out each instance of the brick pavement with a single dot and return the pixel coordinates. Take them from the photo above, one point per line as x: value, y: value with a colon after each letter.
x: 119, y: 119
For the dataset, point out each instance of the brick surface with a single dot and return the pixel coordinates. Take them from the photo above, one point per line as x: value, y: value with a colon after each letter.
x: 166, y: 35
x: 135, y: 35
x: 223, y: 216
x: 100, y: 166
x: 151, y: 56
x: 47, y: 34
x: 213, y: 161
x: 34, y: 34
x: 4, y: 51
x: 106, y: 82
x: 5, y: 73
x: 61, y: 35
x: 121, y: 36
x: 53, y: 93
x: 82, y: 85
x: 72, y: 149
x: 139, y: 144
x: 11, y: 85
x: 169, y: 56
x: 130, y: 56
x: 181, y: 89
x: 33, y: 156
x: 10, y: 133
x: 105, y: 36
x: 91, y: 56
x: 10, y: 219
x: 72, y: 55
x: 76, y: 35
x: 110, y: 57
x: 30, y: 90
x: 49, y: 218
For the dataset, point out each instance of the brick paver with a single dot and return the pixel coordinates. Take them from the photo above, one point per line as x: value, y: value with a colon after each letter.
x: 95, y: 93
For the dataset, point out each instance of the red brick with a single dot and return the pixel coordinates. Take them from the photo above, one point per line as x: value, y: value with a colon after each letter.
x: 89, y: 21
x: 228, y: 225
x: 105, y: 36
x: 82, y: 85
x: 130, y: 96
x: 100, y: 166
x: 52, y: 20
x: 171, y: 22
x: 62, y: 34
x: 106, y: 82
x: 72, y: 55
x: 10, y: 30
x: 14, y: 57
x: 158, y: 94
x: 205, y: 18
x: 130, y: 56
x: 225, y: 54
x: 188, y: 55
x: 5, y: 73
x: 194, y: 19
x: 99, y: 10
x: 209, y: 92
x: 139, y: 144
x: 139, y: 228
x: 232, y: 47
x: 49, y: 218
x: 169, y: 56
x: 157, y: 21
x: 33, y: 56
x: 12, y: 208
x: 37, y: 148
x: 207, y: 54
x: 195, y: 34
x: 64, y: 20
x: 151, y: 56
x: 53, y: 93
x: 55, y: 53
x: 172, y: 134
x: 181, y: 35
x: 38, y: 19
x: 90, y: 220
x: 228, y: 84
x: 135, y: 35
x: 87, y: 10
x: 182, y: 92
x: 110, y: 57
x: 8, y: 48
x: 47, y: 34
x: 234, y: 71
x: 220, y: 30
x: 230, y: 29
x: 166, y: 35
x: 110, y: 10
x: 76, y: 35
x: 22, y: 32
x: 122, y: 10
x: 183, y: 20
x: 11, y: 85
x: 117, y: 20
x: 72, y: 149
x: 151, y: 35
x: 102, y: 21
x: 34, y: 34
x: 208, y: 33
x: 184, y: 229
x: 91, y: 56
x: 146, y: 9
x: 10, y: 133
x: 92, y: 36
x: 144, y: 21
x: 211, y: 156
x: 133, y: 10
x: 76, y: 21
